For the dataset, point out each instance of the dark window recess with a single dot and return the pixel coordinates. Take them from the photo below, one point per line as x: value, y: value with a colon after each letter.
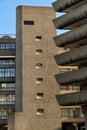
x: 40, y: 94
x: 39, y: 65
x: 28, y: 22
x: 39, y: 37
x: 40, y: 79
x: 39, y: 51
x: 40, y: 110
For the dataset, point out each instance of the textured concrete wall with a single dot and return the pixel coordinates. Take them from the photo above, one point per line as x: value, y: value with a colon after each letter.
x: 26, y: 71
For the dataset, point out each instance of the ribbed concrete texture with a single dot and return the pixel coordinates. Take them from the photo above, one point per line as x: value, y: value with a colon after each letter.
x: 75, y: 40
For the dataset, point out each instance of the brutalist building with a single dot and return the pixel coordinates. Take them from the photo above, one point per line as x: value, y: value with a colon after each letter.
x: 75, y: 40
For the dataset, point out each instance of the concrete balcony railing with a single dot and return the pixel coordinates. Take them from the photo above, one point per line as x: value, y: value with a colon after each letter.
x: 76, y: 77
x: 77, y: 98
x: 74, y: 57
x: 4, y: 92
x: 7, y: 53
x: 62, y: 5
x: 7, y: 79
x: 78, y: 15
x: 75, y: 38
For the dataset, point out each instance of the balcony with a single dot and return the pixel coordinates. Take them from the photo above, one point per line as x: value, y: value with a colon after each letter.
x: 76, y: 98
x: 74, y: 57
x: 76, y: 77
x: 75, y: 18
x: 71, y: 113
x: 73, y: 38
x: 67, y: 5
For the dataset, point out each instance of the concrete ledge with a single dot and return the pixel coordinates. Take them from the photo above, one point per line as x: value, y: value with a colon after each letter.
x: 77, y: 98
x: 67, y: 5
x: 76, y: 56
x: 74, y: 16
x: 71, y: 37
x: 76, y: 77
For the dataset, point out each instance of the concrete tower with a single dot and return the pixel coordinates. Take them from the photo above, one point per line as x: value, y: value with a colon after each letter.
x: 36, y: 106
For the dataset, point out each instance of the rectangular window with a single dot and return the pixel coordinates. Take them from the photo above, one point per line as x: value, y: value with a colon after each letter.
x: 39, y: 80
x: 2, y: 46
x: 7, y: 72
x: 40, y: 95
x: 38, y: 38
x: 28, y: 22
x: 40, y: 111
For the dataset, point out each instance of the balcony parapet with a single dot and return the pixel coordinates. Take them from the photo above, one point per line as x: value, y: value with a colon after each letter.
x: 77, y: 98
x: 77, y: 15
x: 7, y: 66
x: 66, y: 5
x: 7, y: 53
x: 75, y: 77
x: 7, y: 79
x: 7, y: 92
x: 72, y: 37
x: 76, y: 56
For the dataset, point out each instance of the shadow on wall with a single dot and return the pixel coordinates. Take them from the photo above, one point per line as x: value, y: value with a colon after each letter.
x: 58, y: 129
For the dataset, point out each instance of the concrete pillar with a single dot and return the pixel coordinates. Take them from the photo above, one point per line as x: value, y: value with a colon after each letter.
x: 84, y: 111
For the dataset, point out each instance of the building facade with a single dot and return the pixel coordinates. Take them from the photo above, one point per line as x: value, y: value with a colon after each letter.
x: 7, y: 79
x: 75, y: 40
x: 36, y: 106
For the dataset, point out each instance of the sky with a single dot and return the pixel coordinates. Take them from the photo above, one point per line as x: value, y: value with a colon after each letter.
x: 8, y: 13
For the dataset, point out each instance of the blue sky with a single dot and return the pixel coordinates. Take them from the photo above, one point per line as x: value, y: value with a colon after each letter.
x: 8, y: 13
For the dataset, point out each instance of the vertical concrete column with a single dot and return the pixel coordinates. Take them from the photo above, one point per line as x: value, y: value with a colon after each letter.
x: 84, y: 111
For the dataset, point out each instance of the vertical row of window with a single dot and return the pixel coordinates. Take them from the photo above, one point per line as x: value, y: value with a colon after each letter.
x: 40, y: 111
x: 39, y: 65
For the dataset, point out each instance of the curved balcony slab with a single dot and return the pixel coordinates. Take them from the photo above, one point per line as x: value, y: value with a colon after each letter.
x: 67, y: 5
x: 76, y: 77
x: 77, y: 98
x: 78, y: 15
x: 70, y: 38
x: 75, y: 57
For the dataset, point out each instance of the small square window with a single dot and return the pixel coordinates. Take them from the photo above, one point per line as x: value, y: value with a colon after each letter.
x: 39, y: 80
x: 40, y: 95
x: 39, y: 51
x: 38, y: 38
x: 40, y: 111
x: 39, y: 65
